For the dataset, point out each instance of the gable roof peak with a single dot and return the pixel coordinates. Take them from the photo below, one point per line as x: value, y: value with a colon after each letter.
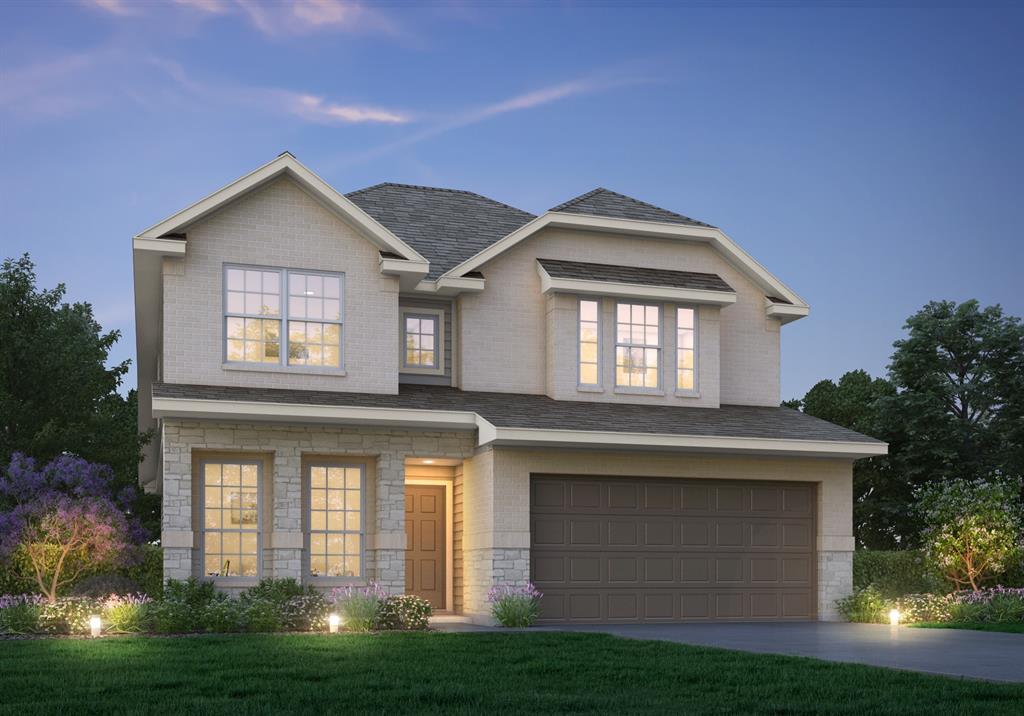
x: 605, y: 202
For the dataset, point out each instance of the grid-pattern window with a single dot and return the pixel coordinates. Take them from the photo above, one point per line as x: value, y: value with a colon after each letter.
x: 335, y: 521
x: 589, y: 348
x: 231, y: 524
x: 686, y: 349
x: 256, y: 320
x: 637, y: 345
x: 253, y: 294
x: 421, y: 341
x: 314, y: 320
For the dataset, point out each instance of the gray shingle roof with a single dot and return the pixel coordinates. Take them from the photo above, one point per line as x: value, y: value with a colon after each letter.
x: 603, y: 202
x: 633, y: 275
x: 446, y: 226
x: 511, y: 410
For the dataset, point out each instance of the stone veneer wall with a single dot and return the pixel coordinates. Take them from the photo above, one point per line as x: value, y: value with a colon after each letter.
x: 282, y: 538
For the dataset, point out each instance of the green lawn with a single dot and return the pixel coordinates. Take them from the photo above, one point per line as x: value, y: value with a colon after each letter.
x: 490, y: 673
x: 1012, y: 627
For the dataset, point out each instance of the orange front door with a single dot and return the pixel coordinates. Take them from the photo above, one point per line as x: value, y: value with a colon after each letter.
x: 424, y: 543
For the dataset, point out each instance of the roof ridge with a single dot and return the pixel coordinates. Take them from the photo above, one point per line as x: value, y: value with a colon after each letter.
x: 439, y: 188
x: 600, y: 189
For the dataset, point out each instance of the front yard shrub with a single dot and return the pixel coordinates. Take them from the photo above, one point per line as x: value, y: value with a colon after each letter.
x: 68, y: 615
x: 405, y: 611
x: 192, y: 592
x: 895, y: 573
x: 277, y: 591
x: 148, y: 571
x: 359, y: 607
x: 305, y: 612
x: 866, y: 606
x: 998, y: 604
x: 174, y: 617
x: 222, y: 617
x: 126, y: 614
x: 515, y: 606
x: 916, y: 608
x: 261, y: 615
x: 19, y: 613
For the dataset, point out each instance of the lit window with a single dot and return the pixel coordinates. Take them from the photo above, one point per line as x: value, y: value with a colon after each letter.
x: 311, y: 318
x: 251, y: 295
x: 335, y: 521
x: 422, y: 336
x: 686, y: 349
x: 637, y: 346
x: 231, y: 503
x: 589, y: 348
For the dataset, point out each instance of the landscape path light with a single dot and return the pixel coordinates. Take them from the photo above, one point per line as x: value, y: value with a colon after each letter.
x: 333, y: 621
x: 95, y: 625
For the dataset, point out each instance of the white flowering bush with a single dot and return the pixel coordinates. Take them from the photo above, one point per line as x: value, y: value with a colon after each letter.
x: 404, y: 611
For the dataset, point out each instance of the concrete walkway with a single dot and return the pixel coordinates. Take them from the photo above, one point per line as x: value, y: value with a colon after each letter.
x: 950, y: 652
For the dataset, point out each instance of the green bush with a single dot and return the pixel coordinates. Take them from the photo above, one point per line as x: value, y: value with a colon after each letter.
x: 276, y: 591
x: 172, y: 617
x: 359, y: 607
x: 148, y: 572
x: 20, y: 613
x: 305, y: 612
x: 222, y: 617
x: 865, y: 605
x: 896, y: 573
x: 261, y: 615
x: 195, y: 593
x: 513, y: 606
x: 183, y: 606
x: 406, y: 612
x: 127, y: 614
x: 69, y: 615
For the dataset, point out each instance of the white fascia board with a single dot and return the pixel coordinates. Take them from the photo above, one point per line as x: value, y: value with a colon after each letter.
x: 716, y: 237
x: 305, y: 413
x: 286, y: 164
x: 162, y: 247
x: 533, y: 437
x: 631, y: 290
x: 451, y: 286
x: 784, y: 311
x: 409, y: 273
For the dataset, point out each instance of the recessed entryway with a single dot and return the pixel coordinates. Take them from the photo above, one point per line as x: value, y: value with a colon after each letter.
x: 428, y: 531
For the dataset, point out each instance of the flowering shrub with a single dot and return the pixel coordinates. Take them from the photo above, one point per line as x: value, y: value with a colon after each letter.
x: 305, y: 612
x: 404, y: 611
x: 19, y: 613
x: 515, y: 606
x: 973, y: 529
x: 127, y: 613
x: 916, y: 608
x: 68, y: 615
x: 866, y: 606
x: 222, y: 617
x: 359, y: 607
x: 998, y: 604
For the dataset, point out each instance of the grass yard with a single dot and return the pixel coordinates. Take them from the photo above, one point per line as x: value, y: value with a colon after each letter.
x: 1011, y: 627
x: 493, y: 673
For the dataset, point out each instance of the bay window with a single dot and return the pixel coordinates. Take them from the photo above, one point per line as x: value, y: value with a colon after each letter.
x: 686, y: 350
x: 637, y: 346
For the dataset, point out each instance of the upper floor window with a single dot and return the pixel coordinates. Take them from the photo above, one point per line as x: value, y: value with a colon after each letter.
x: 231, y: 523
x: 637, y: 346
x: 258, y: 321
x: 589, y: 343
x: 422, y: 340
x: 335, y: 520
x: 686, y: 349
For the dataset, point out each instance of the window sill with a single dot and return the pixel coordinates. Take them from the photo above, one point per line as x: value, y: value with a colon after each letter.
x: 231, y: 581
x: 274, y: 368
x: 639, y: 391
x: 422, y: 371
x: 687, y: 394
x: 336, y: 581
x: 589, y: 389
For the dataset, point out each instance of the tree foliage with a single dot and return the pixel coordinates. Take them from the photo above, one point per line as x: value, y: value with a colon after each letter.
x: 64, y: 521
x: 973, y: 529
x: 952, y: 406
x: 57, y: 394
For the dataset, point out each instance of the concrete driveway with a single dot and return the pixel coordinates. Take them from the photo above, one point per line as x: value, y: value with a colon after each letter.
x: 950, y: 652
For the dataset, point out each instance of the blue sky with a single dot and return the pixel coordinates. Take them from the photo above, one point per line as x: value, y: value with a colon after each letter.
x: 870, y: 157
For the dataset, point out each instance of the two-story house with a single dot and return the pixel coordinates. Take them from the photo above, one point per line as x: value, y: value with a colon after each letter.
x: 441, y: 393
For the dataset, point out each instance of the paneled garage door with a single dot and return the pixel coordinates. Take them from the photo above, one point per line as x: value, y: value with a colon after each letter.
x: 649, y: 550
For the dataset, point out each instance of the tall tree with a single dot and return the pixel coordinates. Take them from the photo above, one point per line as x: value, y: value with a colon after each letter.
x: 57, y: 393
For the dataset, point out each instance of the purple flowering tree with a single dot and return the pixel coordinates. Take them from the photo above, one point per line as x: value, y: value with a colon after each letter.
x: 62, y: 522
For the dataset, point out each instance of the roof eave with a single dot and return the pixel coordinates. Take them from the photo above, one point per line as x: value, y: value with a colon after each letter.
x: 550, y: 284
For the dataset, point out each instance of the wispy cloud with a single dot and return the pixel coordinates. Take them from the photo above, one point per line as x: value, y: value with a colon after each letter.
x: 316, y: 109
x: 273, y: 19
x: 593, y: 84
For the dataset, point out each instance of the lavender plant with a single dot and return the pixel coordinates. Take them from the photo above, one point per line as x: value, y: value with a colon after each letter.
x: 359, y: 607
x: 513, y: 606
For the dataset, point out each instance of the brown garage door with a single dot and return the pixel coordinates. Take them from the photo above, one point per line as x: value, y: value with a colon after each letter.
x: 648, y: 550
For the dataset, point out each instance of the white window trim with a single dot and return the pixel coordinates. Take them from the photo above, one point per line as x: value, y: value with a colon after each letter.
x: 282, y: 366
x: 645, y: 390
x: 307, y: 532
x: 597, y: 387
x: 438, y: 315
x: 695, y: 392
x: 236, y: 580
